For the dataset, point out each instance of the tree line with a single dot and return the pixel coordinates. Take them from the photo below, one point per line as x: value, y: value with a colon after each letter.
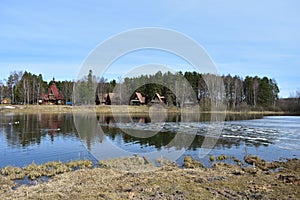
x: 249, y: 93
x: 26, y: 88
x: 237, y: 94
x: 253, y: 93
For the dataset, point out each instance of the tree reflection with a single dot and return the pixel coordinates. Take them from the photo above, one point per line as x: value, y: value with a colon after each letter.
x: 29, y: 129
x: 146, y: 138
x: 88, y: 129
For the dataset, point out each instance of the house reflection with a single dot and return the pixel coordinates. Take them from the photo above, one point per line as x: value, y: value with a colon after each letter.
x: 139, y: 119
x: 30, y: 129
x: 50, y: 123
x: 184, y: 117
x: 108, y: 119
x: 162, y: 139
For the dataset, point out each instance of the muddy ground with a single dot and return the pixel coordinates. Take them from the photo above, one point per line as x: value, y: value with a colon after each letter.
x: 135, y: 178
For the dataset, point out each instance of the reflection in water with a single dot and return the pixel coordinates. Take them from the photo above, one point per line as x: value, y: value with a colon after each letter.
x: 88, y: 129
x: 51, y: 124
x: 238, y: 138
x: 26, y: 138
x: 31, y: 128
x: 163, y: 138
x: 44, y: 137
x: 187, y: 117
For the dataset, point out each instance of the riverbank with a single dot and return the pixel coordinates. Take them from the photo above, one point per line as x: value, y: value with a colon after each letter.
x: 261, y: 180
x: 118, y: 109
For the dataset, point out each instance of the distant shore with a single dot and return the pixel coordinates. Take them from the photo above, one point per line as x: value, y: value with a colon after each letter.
x: 118, y: 109
x: 113, y: 179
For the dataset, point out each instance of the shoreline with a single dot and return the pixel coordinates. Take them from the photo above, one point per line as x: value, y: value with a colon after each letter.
x: 122, y: 109
x: 109, y: 180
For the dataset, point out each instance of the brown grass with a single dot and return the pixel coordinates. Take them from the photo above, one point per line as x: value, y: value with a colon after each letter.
x: 223, y: 181
x: 115, y: 109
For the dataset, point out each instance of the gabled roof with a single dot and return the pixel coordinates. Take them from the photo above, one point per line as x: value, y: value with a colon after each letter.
x: 55, y: 91
x: 102, y: 97
x: 111, y: 95
x: 160, y: 98
x: 52, y: 90
x: 140, y: 97
x: 188, y: 101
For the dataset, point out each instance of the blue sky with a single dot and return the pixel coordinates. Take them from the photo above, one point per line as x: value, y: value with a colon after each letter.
x: 242, y: 37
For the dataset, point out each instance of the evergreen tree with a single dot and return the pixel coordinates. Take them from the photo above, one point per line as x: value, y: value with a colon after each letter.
x: 265, y: 94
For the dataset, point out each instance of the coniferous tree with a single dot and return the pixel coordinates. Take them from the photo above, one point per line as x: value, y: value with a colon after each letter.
x: 265, y: 95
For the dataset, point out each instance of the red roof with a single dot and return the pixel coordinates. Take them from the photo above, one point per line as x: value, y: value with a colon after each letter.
x: 53, y: 91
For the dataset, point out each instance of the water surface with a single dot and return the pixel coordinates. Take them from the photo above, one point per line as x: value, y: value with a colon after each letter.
x: 39, y: 138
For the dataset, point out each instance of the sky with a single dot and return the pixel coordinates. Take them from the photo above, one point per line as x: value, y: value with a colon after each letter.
x: 53, y: 38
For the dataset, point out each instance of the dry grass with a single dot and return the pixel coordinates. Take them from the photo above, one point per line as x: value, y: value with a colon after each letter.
x: 49, y: 169
x: 223, y: 181
x: 115, y: 109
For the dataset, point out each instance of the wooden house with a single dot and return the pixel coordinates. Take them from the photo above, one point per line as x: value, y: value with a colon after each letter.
x: 108, y: 99
x: 137, y: 99
x: 53, y: 96
x: 188, y: 102
x: 101, y: 99
x: 158, y: 99
x: 6, y: 101
x: 113, y: 99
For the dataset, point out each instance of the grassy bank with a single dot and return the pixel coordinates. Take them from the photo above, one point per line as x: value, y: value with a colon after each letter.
x: 122, y: 109
x: 110, y: 181
x: 77, y: 109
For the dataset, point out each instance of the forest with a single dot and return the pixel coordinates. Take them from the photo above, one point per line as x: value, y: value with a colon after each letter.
x: 26, y: 88
x: 249, y: 93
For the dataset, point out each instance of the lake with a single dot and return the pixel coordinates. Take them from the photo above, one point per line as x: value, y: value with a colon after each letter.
x: 39, y: 138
